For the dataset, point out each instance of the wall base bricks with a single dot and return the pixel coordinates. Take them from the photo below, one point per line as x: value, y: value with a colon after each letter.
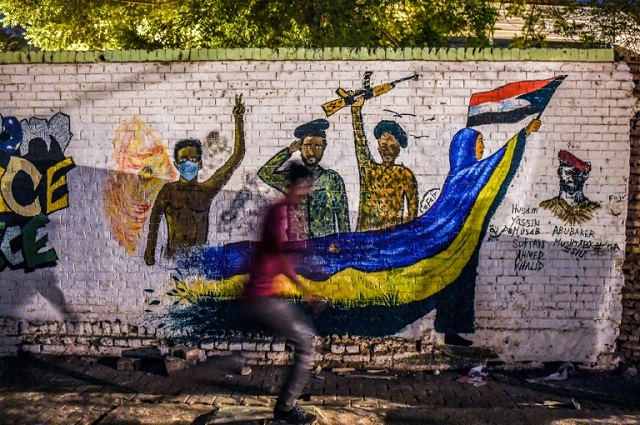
x: 357, y: 352
x: 128, y: 363
x: 174, y: 364
x: 184, y: 352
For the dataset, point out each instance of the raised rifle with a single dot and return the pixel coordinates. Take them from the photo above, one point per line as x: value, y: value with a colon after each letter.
x: 349, y: 97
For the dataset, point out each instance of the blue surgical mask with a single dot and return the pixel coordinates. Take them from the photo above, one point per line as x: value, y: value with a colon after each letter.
x: 188, y: 170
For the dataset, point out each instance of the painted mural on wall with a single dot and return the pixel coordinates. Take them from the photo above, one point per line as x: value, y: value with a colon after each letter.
x: 33, y: 185
x: 141, y: 167
x: 571, y: 206
x: 397, y: 263
x: 185, y: 203
x: 214, y: 145
x: 325, y: 211
x: 244, y: 213
x: 385, y: 187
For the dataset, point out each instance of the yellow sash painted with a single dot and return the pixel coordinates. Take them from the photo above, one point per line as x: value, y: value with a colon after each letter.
x: 412, y: 283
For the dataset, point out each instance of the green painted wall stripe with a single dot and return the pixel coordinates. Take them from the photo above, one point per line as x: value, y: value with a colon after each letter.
x: 330, y: 53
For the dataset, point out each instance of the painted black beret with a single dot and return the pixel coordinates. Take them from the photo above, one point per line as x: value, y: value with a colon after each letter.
x: 393, y: 128
x: 312, y: 128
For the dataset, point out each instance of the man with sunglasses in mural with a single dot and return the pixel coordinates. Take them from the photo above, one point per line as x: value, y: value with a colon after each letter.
x: 385, y: 187
x: 325, y: 211
x: 186, y: 202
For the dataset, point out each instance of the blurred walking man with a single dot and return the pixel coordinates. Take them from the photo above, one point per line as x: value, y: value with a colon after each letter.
x: 264, y: 305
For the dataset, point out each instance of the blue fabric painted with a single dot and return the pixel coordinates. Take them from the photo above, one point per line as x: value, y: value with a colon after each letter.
x: 377, y: 250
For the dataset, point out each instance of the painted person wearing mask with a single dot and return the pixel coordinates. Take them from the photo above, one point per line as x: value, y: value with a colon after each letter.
x: 185, y: 203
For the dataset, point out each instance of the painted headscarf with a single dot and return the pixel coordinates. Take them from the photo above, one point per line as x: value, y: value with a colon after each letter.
x: 462, y: 152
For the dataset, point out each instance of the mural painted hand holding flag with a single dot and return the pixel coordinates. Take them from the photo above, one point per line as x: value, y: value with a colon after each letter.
x: 513, y: 102
x: 455, y: 303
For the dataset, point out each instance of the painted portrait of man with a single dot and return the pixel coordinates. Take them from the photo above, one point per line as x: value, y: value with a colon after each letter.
x: 571, y: 205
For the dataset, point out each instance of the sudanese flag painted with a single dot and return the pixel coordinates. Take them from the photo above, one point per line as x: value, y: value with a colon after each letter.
x: 512, y: 102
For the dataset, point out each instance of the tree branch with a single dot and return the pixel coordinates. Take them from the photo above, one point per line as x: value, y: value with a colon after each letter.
x: 148, y: 3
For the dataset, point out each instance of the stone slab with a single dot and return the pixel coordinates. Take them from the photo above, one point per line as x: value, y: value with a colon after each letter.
x: 155, y: 414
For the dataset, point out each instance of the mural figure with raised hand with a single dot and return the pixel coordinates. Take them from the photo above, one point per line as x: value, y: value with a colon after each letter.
x: 185, y: 203
x: 466, y: 182
x: 325, y: 211
x: 422, y: 263
x: 388, y: 191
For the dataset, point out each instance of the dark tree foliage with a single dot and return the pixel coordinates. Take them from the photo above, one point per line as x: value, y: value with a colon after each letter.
x: 153, y: 24
x: 602, y: 23
x: 12, y: 39
x: 589, y: 23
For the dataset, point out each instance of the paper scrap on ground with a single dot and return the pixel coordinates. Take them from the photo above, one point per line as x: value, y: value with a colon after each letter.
x: 562, y: 374
x: 476, y: 377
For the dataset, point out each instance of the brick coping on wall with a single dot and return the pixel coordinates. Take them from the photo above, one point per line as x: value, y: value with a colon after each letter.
x: 331, y: 53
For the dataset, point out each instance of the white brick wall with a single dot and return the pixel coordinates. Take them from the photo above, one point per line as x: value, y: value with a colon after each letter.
x: 567, y: 310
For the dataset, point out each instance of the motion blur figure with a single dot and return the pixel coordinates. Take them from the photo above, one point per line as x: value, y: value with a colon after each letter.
x: 264, y: 306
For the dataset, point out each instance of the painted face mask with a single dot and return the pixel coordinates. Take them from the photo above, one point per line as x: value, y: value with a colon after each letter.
x: 188, y: 170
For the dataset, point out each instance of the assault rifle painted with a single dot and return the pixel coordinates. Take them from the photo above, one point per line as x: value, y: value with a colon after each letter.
x: 348, y: 97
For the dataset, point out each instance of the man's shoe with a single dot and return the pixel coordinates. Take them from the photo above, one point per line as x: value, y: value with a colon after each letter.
x: 294, y: 416
x: 455, y: 339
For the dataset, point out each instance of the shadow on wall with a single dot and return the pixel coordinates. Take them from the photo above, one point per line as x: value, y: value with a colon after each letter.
x: 52, y: 290
x: 36, y: 296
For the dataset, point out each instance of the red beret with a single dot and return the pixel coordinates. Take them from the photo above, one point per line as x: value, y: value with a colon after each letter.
x: 569, y: 159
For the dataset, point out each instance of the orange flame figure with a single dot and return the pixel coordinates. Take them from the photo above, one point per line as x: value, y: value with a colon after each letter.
x: 142, y: 167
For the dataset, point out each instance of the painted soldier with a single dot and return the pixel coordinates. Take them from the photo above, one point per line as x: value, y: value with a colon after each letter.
x: 325, y: 211
x: 384, y: 187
